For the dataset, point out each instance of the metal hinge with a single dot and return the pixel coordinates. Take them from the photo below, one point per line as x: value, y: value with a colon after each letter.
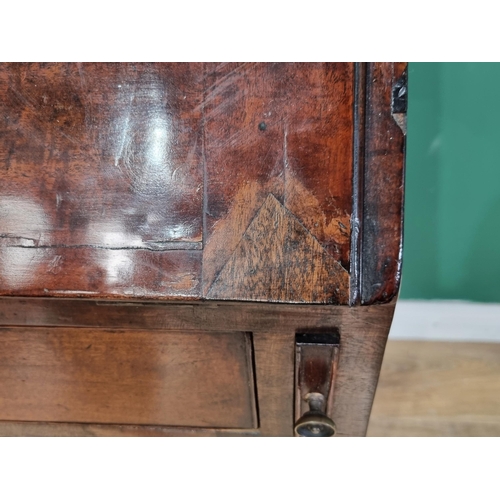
x: 399, y: 105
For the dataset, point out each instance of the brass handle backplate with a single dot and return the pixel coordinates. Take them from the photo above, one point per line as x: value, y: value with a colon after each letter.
x: 316, y: 360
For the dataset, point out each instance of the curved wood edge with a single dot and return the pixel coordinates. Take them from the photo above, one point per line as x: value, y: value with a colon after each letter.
x: 380, y: 185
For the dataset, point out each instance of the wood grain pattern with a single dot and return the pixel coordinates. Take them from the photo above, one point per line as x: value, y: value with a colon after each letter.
x: 438, y: 389
x: 381, y: 241
x: 300, y: 154
x: 97, y: 159
x: 101, y: 175
x: 105, y: 273
x: 193, y: 379
x: 191, y: 186
x: 48, y: 429
x: 274, y: 255
x: 102, y: 155
x: 363, y: 333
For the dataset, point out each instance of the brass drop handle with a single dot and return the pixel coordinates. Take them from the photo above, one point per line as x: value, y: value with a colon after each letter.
x: 316, y: 360
x: 315, y: 423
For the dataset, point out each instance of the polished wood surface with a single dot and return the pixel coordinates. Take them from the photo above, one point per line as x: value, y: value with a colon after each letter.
x: 186, y: 181
x: 169, y: 213
x: 363, y: 332
x: 102, y: 155
x: 282, y: 178
x: 430, y: 388
x: 194, y: 379
x: 101, y: 175
x: 380, y: 179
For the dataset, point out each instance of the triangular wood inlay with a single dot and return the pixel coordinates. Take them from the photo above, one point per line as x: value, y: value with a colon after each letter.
x: 278, y: 260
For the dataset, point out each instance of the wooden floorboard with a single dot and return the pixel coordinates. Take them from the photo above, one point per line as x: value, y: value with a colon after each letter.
x: 431, y: 388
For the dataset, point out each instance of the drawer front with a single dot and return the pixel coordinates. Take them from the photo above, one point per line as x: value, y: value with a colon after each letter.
x: 189, y: 379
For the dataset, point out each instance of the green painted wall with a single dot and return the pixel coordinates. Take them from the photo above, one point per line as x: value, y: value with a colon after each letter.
x: 452, y: 207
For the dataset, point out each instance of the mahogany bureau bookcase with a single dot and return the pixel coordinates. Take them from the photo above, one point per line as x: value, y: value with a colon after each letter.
x: 197, y: 249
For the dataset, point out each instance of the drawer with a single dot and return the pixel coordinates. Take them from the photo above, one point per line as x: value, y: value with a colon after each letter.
x: 147, y: 209
x: 189, y: 379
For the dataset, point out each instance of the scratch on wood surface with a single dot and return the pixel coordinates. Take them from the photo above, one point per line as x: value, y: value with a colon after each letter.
x: 55, y: 264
